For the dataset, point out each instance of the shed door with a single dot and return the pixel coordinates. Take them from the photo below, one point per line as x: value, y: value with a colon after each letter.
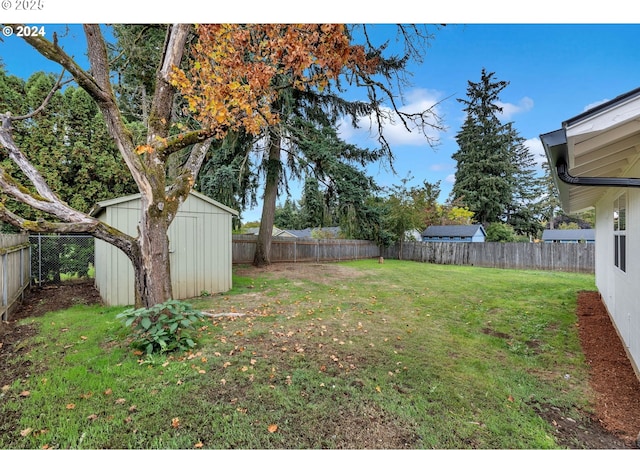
x: 185, y: 253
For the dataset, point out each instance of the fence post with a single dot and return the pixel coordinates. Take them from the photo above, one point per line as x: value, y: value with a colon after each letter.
x: 5, y: 291
x: 21, y: 273
x: 39, y: 260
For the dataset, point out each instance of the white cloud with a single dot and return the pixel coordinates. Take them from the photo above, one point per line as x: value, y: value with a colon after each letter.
x: 451, y: 178
x: 396, y: 134
x: 438, y: 167
x: 537, y: 150
x: 509, y: 109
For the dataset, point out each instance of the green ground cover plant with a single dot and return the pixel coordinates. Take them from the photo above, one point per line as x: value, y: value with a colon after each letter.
x: 355, y: 354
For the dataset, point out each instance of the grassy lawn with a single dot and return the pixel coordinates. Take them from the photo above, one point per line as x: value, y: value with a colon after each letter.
x: 390, y: 355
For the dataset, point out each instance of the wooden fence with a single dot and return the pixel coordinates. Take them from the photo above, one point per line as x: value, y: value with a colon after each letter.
x: 304, y: 250
x: 15, y: 270
x: 569, y: 257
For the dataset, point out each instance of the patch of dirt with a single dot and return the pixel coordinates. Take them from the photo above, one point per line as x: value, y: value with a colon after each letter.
x: 37, y: 302
x: 307, y: 271
x: 616, y: 420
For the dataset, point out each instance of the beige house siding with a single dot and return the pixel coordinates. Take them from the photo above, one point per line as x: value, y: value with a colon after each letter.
x: 199, y: 242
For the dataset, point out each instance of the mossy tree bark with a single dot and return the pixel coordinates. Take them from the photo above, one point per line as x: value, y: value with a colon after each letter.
x: 149, y: 250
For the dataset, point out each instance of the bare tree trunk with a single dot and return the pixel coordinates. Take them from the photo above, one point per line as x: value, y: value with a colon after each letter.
x: 149, y: 252
x: 262, y: 255
x: 152, y: 285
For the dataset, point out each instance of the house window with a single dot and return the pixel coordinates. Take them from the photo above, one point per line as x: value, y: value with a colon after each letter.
x: 620, y: 232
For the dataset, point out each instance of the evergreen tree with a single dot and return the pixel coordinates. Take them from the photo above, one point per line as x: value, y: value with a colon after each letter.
x: 484, y: 169
x: 525, y: 211
x: 495, y: 174
x: 288, y: 216
x: 313, y: 209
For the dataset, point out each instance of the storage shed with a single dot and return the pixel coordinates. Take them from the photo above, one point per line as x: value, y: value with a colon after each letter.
x: 199, y: 244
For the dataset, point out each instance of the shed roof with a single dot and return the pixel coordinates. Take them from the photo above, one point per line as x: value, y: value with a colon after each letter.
x: 587, y: 234
x: 453, y: 230
x: 603, y: 142
x: 100, y: 206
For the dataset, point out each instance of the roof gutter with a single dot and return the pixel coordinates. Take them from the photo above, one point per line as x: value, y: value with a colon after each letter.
x: 564, y: 175
x: 557, y: 150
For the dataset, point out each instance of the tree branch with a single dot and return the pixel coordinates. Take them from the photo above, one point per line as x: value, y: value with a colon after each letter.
x: 182, y: 140
x: 45, y: 102
x: 52, y: 51
x: 162, y: 103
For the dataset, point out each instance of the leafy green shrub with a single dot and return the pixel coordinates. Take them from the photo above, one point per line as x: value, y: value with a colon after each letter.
x: 165, y: 327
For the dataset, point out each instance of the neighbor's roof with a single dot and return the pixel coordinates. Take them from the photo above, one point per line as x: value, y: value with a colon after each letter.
x: 307, y: 232
x: 602, y: 142
x: 452, y: 230
x: 100, y: 206
x: 587, y: 234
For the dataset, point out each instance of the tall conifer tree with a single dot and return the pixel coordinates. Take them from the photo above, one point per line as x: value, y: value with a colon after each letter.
x: 495, y: 175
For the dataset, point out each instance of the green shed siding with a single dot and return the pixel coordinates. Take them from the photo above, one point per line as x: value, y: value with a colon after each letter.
x: 199, y: 245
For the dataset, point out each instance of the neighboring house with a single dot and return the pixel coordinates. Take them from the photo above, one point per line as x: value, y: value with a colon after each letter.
x: 454, y: 233
x: 595, y: 161
x: 274, y: 232
x: 569, y: 236
x: 308, y: 233
x: 199, y: 242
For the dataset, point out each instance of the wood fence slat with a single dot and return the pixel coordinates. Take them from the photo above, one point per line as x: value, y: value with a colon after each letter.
x: 567, y: 257
x: 15, y: 270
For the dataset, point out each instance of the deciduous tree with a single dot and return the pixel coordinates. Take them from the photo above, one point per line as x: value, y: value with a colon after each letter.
x: 232, y: 83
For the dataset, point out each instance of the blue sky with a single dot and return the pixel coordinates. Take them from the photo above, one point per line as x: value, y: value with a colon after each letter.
x: 555, y: 71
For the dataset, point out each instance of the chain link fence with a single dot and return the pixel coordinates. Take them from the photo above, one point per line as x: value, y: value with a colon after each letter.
x: 61, y: 257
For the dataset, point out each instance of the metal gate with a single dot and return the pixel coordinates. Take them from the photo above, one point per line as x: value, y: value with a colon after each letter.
x: 61, y: 257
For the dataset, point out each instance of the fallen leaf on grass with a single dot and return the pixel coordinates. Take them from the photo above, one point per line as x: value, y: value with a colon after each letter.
x: 272, y: 428
x: 71, y: 405
x: 26, y: 432
x: 92, y: 417
x: 108, y: 392
x: 133, y: 408
x: 175, y: 422
x: 25, y: 394
x: 198, y: 444
x: 120, y: 401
